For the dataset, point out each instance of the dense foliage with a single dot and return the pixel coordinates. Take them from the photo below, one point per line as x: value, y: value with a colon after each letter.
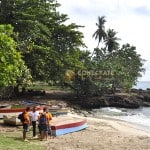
x: 48, y: 46
x: 45, y: 45
x: 12, y: 66
x: 13, y: 70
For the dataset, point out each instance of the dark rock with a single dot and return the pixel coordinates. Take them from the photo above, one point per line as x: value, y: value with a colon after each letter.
x: 125, y: 102
x: 121, y: 101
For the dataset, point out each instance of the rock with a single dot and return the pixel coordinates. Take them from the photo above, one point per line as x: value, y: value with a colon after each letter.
x: 121, y: 100
x: 124, y: 102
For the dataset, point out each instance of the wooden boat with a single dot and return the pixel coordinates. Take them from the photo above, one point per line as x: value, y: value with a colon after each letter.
x: 65, y: 124
x: 13, y: 120
x: 5, y: 106
x: 28, y: 102
x: 55, y: 110
x: 59, y: 112
x: 15, y: 111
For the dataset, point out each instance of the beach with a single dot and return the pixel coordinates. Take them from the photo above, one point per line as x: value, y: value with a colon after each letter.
x: 103, y: 134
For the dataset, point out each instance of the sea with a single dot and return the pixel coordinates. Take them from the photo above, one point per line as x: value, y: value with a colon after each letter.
x: 139, y: 117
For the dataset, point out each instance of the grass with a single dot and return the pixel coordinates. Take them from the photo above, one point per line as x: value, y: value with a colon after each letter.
x: 13, y: 141
x: 45, y: 86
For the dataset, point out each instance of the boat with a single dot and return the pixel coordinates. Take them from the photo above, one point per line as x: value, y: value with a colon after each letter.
x: 15, y: 111
x: 5, y: 106
x: 12, y: 120
x: 65, y: 124
x: 55, y: 110
x: 59, y: 112
x: 28, y: 102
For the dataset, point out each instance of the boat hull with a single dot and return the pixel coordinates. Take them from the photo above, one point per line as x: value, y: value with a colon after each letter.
x: 6, y: 106
x: 14, y: 111
x: 59, y: 112
x: 68, y: 125
x: 12, y: 121
x: 54, y: 110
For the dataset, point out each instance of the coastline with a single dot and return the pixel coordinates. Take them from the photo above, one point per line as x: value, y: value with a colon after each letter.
x: 123, y: 126
x: 103, y: 134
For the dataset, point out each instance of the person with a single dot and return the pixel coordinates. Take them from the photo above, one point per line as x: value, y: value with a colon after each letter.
x: 44, y: 120
x: 49, y: 116
x: 34, y: 114
x: 26, y: 123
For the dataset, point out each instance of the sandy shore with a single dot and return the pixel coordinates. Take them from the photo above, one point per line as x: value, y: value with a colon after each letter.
x: 103, y: 134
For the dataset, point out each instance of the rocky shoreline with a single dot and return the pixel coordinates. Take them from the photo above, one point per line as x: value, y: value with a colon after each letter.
x: 135, y: 99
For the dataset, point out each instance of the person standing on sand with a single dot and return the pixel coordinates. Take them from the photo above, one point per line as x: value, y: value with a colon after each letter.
x: 44, y: 120
x: 49, y: 116
x: 26, y: 123
x: 34, y: 114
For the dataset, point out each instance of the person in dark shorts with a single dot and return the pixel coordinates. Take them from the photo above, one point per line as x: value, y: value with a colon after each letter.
x: 26, y: 123
x: 49, y: 115
x: 44, y: 124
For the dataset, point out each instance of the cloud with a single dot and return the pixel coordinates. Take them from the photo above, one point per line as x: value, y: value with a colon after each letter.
x: 143, y: 10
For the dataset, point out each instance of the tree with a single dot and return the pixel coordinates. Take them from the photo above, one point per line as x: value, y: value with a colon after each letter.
x: 66, y: 41
x: 100, y: 33
x: 48, y: 45
x: 9, y: 57
x: 127, y: 66
x: 111, y: 40
x: 12, y: 67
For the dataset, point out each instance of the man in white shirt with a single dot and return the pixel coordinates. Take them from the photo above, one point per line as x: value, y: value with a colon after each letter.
x: 34, y: 118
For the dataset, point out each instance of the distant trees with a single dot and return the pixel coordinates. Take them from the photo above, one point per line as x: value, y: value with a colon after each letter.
x: 127, y: 65
x: 123, y: 60
x: 110, y: 65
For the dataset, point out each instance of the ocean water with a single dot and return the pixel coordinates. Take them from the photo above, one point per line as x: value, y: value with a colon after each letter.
x: 139, y: 117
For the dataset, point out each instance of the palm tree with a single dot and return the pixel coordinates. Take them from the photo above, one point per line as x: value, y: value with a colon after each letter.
x: 111, y: 40
x: 100, y: 32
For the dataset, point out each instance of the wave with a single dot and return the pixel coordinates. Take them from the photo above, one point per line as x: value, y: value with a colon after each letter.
x: 139, y: 116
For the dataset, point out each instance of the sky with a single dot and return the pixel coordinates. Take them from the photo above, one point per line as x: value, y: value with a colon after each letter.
x: 129, y: 18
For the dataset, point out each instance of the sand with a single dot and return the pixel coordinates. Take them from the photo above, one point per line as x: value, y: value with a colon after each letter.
x: 103, y: 134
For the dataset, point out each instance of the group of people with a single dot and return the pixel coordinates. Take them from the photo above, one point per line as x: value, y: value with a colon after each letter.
x: 34, y: 118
